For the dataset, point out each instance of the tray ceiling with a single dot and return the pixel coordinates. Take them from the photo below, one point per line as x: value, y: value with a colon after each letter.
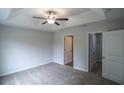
x: 22, y: 17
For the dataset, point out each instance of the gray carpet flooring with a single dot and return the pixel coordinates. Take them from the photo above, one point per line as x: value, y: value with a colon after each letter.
x: 54, y: 74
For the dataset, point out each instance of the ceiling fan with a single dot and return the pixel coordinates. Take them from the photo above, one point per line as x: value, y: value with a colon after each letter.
x: 51, y: 19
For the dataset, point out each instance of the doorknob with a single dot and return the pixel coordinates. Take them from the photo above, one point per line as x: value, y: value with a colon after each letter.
x: 103, y: 57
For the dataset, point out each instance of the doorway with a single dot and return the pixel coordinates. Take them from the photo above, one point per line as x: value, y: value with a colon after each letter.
x: 68, y: 50
x: 95, y: 53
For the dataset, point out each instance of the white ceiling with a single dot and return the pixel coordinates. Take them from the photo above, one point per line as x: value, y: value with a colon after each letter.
x: 22, y: 17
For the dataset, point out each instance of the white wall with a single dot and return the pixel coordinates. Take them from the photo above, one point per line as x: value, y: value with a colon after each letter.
x: 80, y: 34
x: 79, y: 51
x: 24, y: 48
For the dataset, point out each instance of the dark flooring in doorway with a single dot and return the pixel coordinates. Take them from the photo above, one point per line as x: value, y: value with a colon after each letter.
x: 97, y: 69
x: 54, y: 74
x: 69, y: 64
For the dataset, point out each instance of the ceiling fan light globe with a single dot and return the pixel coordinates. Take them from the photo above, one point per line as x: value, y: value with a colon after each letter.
x: 51, y: 21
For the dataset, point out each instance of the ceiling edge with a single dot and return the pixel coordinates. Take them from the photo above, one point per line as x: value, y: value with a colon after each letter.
x: 22, y: 27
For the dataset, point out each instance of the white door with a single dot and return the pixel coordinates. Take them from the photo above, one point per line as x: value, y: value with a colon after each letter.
x: 68, y: 49
x: 113, y: 56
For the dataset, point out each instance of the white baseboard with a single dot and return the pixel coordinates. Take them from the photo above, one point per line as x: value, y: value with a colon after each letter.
x: 80, y: 69
x: 22, y: 69
x: 59, y: 63
x: 107, y: 76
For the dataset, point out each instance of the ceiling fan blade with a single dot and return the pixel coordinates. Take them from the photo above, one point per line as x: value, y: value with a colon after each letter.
x: 57, y: 23
x: 38, y: 17
x: 44, y: 22
x: 62, y: 19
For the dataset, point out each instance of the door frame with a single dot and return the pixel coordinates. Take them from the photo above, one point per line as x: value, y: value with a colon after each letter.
x: 72, y: 48
x: 88, y: 50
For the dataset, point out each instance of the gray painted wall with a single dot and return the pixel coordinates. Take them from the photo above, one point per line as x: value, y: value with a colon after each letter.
x: 99, y: 47
x: 93, y: 50
x: 24, y: 48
